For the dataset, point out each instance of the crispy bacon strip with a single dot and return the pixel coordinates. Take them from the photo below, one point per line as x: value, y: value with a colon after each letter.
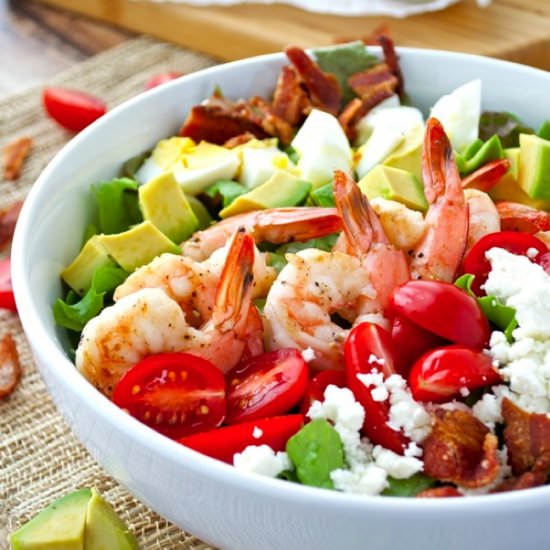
x: 440, y: 492
x: 217, y: 123
x: 239, y: 140
x: 364, y: 82
x: 323, y: 88
x: 290, y: 101
x: 15, y: 154
x: 8, y: 219
x: 486, y: 177
x: 10, y: 368
x: 520, y: 217
x: 524, y: 481
x: 392, y: 60
x: 527, y: 436
x: 272, y: 124
x: 461, y: 450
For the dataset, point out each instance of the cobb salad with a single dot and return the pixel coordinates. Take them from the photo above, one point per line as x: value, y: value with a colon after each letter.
x: 326, y: 287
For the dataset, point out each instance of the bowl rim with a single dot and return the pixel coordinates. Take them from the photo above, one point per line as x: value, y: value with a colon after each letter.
x: 65, y: 372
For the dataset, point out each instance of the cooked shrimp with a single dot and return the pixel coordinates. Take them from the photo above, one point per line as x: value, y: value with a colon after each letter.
x: 440, y: 251
x: 313, y: 286
x: 386, y: 266
x: 276, y: 225
x: 521, y: 217
x: 483, y: 216
x: 148, y: 321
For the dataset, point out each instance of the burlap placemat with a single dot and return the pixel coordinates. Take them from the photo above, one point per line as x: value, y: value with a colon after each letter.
x: 40, y: 459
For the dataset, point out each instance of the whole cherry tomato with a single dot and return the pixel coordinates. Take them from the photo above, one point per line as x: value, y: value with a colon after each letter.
x: 161, y: 78
x: 224, y: 442
x: 174, y: 393
x: 477, y: 264
x: 7, y: 301
x: 451, y: 371
x: 317, y: 385
x: 72, y: 109
x: 266, y: 385
x: 368, y: 347
x: 410, y: 342
x: 444, y: 310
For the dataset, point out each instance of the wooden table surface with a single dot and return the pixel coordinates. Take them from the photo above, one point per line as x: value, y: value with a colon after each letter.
x: 37, y: 41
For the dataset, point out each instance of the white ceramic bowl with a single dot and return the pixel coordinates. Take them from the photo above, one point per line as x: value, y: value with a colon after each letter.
x: 210, y: 499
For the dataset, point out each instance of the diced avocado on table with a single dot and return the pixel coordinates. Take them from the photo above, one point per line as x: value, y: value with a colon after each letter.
x: 82, y: 520
x: 394, y: 184
x: 281, y: 189
x: 163, y: 203
x: 138, y: 246
x: 534, y: 166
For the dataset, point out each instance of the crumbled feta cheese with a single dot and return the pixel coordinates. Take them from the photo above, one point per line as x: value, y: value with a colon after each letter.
x: 464, y: 391
x: 380, y: 393
x: 308, y: 354
x: 376, y: 360
x: 488, y: 408
x: 367, y: 479
x: 262, y: 460
x: 397, y: 466
x: 257, y: 432
x: 524, y: 363
x: 532, y: 252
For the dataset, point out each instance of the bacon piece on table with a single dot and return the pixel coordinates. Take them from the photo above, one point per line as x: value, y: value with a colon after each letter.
x: 8, y: 219
x: 10, y: 368
x: 527, y: 436
x: 14, y: 154
x: 323, y: 88
x: 461, y: 449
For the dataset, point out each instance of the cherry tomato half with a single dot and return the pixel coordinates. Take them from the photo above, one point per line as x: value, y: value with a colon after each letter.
x: 317, y: 385
x: 266, y: 385
x: 7, y: 301
x: 444, y: 310
x: 443, y: 373
x: 368, y: 347
x: 72, y: 109
x: 477, y: 264
x: 174, y: 393
x: 224, y: 442
x: 161, y: 78
x: 410, y: 342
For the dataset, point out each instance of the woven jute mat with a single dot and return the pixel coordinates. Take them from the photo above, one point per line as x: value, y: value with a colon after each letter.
x: 40, y: 459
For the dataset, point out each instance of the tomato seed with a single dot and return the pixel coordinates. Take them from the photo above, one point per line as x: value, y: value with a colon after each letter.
x: 203, y: 409
x: 136, y: 389
x: 172, y: 376
x: 183, y: 375
x: 159, y: 418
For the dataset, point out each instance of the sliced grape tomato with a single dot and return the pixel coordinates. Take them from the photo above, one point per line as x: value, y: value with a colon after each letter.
x: 318, y: 384
x: 269, y: 384
x: 444, y: 310
x: 174, y: 393
x: 224, y: 442
x: 7, y: 300
x: 514, y: 242
x: 451, y: 371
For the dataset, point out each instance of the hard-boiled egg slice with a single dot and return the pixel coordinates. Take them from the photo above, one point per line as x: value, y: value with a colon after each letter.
x: 459, y: 113
x: 322, y: 147
x: 365, y: 126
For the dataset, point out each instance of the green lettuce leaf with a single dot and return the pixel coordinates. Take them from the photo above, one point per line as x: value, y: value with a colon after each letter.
x: 221, y: 194
x: 544, y: 130
x: 315, y: 451
x: 505, y: 125
x: 323, y: 196
x: 409, y: 487
x: 118, y: 205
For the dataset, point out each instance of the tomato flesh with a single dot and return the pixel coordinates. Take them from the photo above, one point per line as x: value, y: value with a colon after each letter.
x: 174, y: 393
x: 72, y: 109
x: 266, y: 385
x: 447, y: 372
x: 317, y: 385
x: 7, y: 300
x: 161, y: 78
x: 368, y: 347
x: 444, y: 310
x: 224, y: 442
x: 477, y: 264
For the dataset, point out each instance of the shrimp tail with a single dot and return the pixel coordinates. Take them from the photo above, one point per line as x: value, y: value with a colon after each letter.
x: 436, y: 155
x: 234, y: 292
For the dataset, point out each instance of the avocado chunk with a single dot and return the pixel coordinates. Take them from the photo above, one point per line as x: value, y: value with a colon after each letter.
x: 163, y: 203
x: 138, y: 246
x: 78, y: 275
x: 508, y: 189
x: 104, y: 529
x: 281, y: 189
x: 60, y: 526
x: 408, y: 155
x: 534, y: 166
x: 201, y: 212
x: 394, y: 184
